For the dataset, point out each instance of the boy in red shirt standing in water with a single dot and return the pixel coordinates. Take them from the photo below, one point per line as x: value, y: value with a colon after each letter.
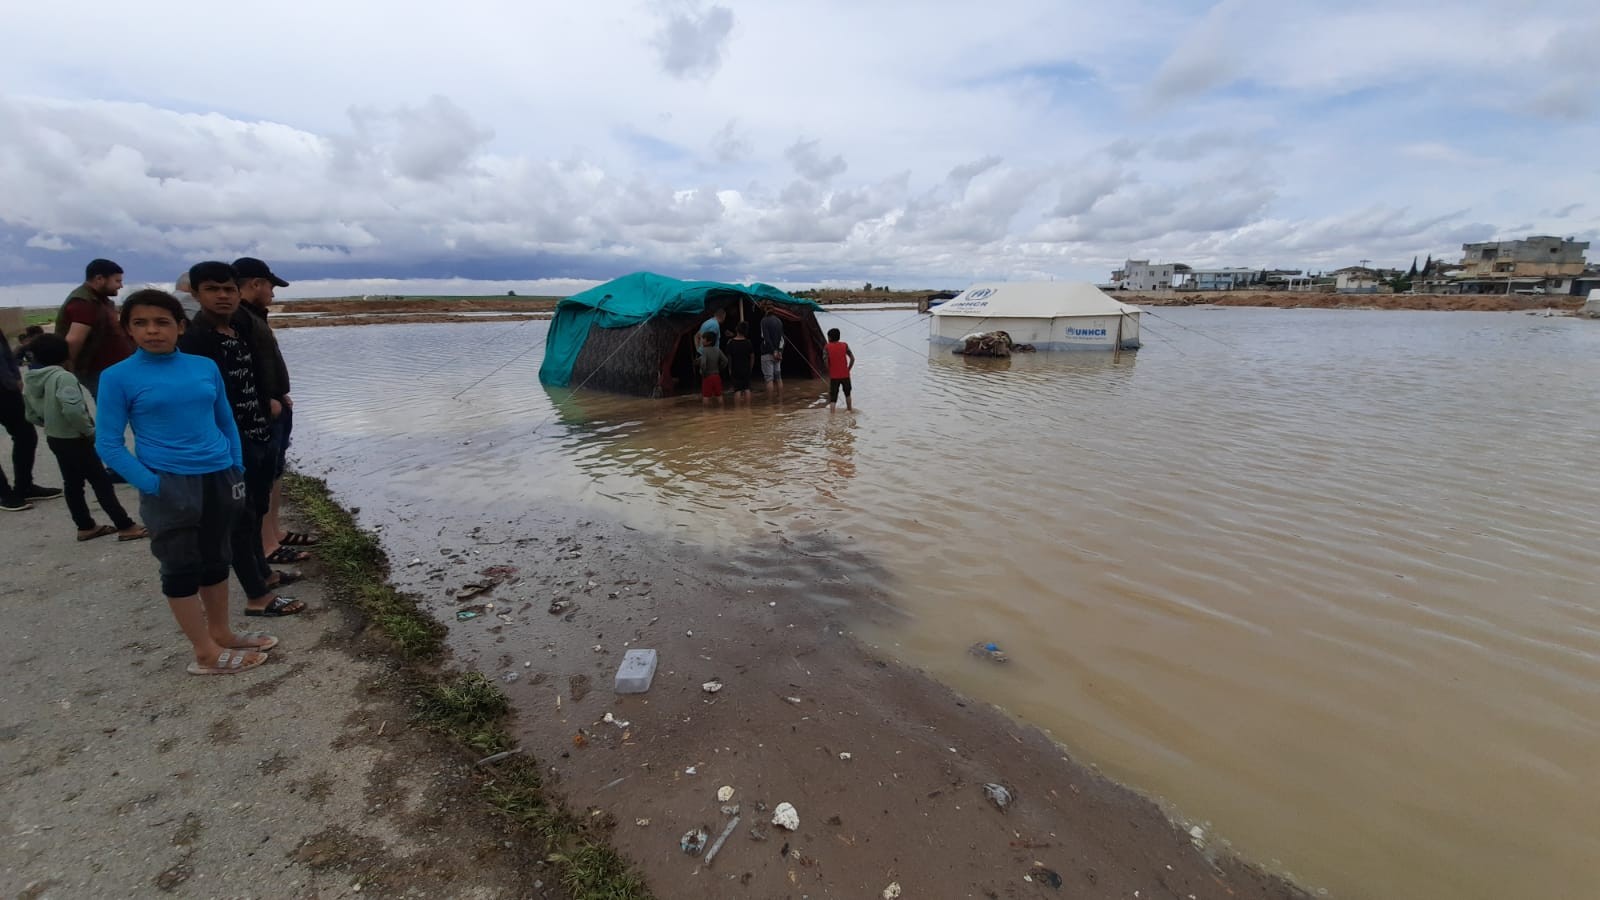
x: 840, y: 361
x: 712, y: 364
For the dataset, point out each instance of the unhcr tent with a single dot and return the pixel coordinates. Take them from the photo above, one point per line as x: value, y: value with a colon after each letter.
x: 1591, y: 307
x: 635, y: 335
x: 1050, y: 315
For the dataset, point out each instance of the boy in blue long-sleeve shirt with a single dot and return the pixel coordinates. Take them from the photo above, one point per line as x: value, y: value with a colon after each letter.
x: 188, y: 470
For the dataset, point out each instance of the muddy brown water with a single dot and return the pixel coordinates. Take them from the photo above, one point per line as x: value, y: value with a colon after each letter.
x: 1321, y: 581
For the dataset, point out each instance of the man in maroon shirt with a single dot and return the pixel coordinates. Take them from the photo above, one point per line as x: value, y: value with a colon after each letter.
x: 88, y: 320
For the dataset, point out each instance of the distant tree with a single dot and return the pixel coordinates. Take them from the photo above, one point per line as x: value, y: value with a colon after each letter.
x: 884, y: 288
x: 1413, y: 272
x: 1428, y: 266
x: 868, y: 287
x: 511, y: 293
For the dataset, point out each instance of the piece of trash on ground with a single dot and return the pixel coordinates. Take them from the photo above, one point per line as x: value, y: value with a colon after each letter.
x: 510, y: 677
x: 641, y: 822
x: 724, y: 794
x: 712, y: 854
x: 731, y: 809
x: 463, y: 615
x: 691, y: 771
x: 494, y: 758
x: 786, y: 817
x: 637, y: 671
x: 999, y: 795
x: 892, y: 892
x: 1046, y: 876
x: 795, y: 700
x: 693, y: 841
x: 613, y: 720
x: 712, y: 686
x: 990, y: 651
x: 845, y: 756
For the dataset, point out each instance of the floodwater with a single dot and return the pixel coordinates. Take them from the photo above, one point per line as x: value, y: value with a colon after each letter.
x: 1323, y: 581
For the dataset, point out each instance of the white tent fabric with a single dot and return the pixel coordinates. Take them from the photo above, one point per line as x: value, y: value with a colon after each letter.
x: 1591, y: 307
x: 1049, y: 315
x: 1033, y: 300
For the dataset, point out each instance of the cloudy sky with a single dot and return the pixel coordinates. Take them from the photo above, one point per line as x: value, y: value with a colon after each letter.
x: 923, y: 143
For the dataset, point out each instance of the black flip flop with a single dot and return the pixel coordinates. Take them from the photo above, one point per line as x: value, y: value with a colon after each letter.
x: 286, y: 578
x: 285, y: 555
x: 276, y: 608
x: 298, y: 539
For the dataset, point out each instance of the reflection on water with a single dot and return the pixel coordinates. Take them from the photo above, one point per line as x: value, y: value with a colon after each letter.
x: 1323, y: 579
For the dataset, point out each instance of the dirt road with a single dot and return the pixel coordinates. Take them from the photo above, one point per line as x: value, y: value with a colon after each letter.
x: 125, y: 777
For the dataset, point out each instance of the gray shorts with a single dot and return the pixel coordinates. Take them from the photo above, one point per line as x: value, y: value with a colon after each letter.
x: 771, y: 367
x: 191, y: 522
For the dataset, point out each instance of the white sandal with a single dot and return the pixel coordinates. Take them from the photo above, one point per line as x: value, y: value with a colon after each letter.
x: 229, y: 662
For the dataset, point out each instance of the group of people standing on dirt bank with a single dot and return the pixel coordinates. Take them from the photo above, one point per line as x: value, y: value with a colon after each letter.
x: 737, y: 357
x: 204, y: 390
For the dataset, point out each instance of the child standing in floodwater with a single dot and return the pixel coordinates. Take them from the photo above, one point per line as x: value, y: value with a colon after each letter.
x: 841, y: 359
x: 741, y: 360
x: 713, y: 362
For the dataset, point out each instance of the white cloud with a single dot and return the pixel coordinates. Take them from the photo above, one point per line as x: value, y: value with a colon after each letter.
x: 48, y: 242
x: 424, y: 143
x: 691, y: 42
x: 807, y: 159
x: 891, y: 141
x: 730, y: 144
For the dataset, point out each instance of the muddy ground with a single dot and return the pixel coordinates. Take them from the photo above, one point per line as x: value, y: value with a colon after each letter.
x: 885, y: 766
x: 125, y: 777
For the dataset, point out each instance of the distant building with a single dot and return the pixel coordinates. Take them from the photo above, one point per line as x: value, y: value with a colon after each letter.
x: 1281, y: 279
x: 1540, y: 264
x: 1142, y: 275
x: 1217, y: 279
x: 1357, y: 280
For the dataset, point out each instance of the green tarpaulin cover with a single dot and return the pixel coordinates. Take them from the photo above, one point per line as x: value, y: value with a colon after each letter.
x: 628, y: 301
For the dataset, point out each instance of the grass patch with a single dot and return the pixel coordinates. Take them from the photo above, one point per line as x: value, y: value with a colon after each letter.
x: 360, y: 572
x: 468, y: 707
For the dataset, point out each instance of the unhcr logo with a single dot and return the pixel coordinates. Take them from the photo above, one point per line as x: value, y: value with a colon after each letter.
x: 1086, y: 332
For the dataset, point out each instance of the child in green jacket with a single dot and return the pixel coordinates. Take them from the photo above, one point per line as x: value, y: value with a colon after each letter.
x: 55, y: 400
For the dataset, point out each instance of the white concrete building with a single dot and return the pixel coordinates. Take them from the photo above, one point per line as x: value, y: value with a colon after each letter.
x: 1142, y: 275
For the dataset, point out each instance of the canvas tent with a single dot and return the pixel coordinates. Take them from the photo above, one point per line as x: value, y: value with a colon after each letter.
x: 1591, y: 307
x: 1050, y: 315
x: 635, y: 335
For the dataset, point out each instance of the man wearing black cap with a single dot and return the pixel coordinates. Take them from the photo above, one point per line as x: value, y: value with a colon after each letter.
x: 88, y: 320
x: 256, y: 284
x: 225, y: 334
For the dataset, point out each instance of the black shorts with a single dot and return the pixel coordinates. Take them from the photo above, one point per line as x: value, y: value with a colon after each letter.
x: 741, y: 379
x: 191, y: 522
x: 834, y: 386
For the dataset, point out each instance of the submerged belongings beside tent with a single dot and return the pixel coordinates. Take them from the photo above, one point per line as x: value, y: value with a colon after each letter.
x: 1050, y: 315
x: 636, y: 334
x: 993, y: 343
